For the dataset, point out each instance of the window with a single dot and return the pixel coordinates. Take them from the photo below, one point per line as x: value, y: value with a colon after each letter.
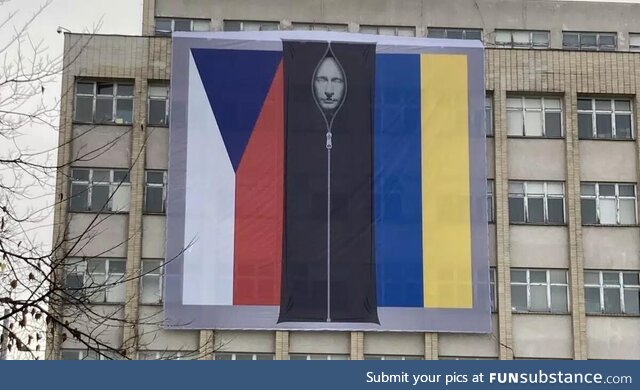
x: 605, y: 118
x: 634, y: 41
x: 389, y: 30
x: 589, y: 40
x: 522, y: 38
x: 488, y: 115
x: 539, y: 290
x: 165, y: 26
x: 155, y: 191
x: 297, y: 356
x: 158, y: 104
x: 237, y: 25
x: 99, y: 190
x: 490, y: 200
x: 167, y: 355
x: 151, y: 282
x: 612, y: 292
x: 100, y: 280
x: 243, y: 356
x: 78, y: 354
x: 608, y: 203
x: 536, y: 202
x: 534, y: 117
x: 104, y: 102
x: 492, y: 289
x: 455, y: 33
x: 319, y: 27
x: 392, y: 357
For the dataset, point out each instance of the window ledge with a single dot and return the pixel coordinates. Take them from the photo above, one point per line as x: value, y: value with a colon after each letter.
x: 158, y: 126
x: 152, y: 213
x: 157, y: 304
x: 100, y: 212
x: 537, y: 224
x: 102, y: 124
x: 608, y: 139
x: 536, y: 137
x: 546, y: 313
x: 618, y: 315
x: 607, y: 225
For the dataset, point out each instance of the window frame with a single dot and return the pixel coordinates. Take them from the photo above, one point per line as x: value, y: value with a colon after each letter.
x: 612, y: 113
x: 112, y: 184
x: 598, y: 35
x: 602, y: 286
x: 548, y: 284
x: 488, y: 114
x: 545, y: 197
x: 493, y: 289
x: 312, y: 26
x: 162, y: 33
x: 463, y: 30
x: 543, y: 110
x: 234, y: 355
x: 90, y: 289
x: 393, y: 357
x: 157, y: 271
x: 531, y: 44
x: 166, y: 99
x: 396, y: 30
x: 148, y: 185
x: 491, y: 201
x: 114, y: 101
x: 616, y: 197
x: 634, y: 47
x: 259, y: 22
x: 310, y: 355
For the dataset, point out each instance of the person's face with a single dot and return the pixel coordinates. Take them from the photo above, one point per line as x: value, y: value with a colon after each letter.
x: 329, y: 84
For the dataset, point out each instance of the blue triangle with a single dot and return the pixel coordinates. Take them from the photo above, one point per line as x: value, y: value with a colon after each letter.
x: 236, y: 83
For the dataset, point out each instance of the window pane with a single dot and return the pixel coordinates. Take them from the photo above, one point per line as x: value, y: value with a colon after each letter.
x: 521, y: 38
x: 125, y: 89
x: 515, y: 123
x: 587, y: 41
x: 612, y: 300
x: 584, y: 104
x: 104, y: 89
x: 592, y: 278
x: 555, y: 188
x: 592, y: 299
x: 150, y: 289
x: 516, y: 210
x: 534, y: 103
x: 611, y: 278
x: 608, y: 211
x: 623, y: 126
x: 519, y: 298
x: 163, y: 26
x: 632, y: 301
x: 536, y: 210
x: 570, y: 40
x: 535, y: 188
x: 559, y: 299
x: 626, y: 190
x: 84, y: 109
x: 79, y: 197
x: 538, y: 276
x: 454, y: 34
x: 539, y: 298
x: 155, y: 177
x: 473, y: 34
x: 99, y: 197
x: 182, y: 25
x: 84, y: 87
x: 603, y: 125
x: 157, y: 112
x: 623, y: 105
x: 607, y: 190
x: 120, y: 176
x: 436, y: 33
x: 232, y: 25
x: 518, y: 276
x: 587, y: 189
x: 607, y: 41
x: 631, y: 278
x: 104, y: 109
x: 514, y: 102
x: 541, y: 38
x: 124, y: 111
x: 585, y: 126
x: 503, y: 37
x: 201, y: 25
x: 516, y: 188
x: 588, y: 211
x: 154, y: 202
x: 74, y: 281
x: 603, y: 105
x: 553, y: 124
x: 556, y: 210
x: 557, y: 276
x: 627, y: 211
x: 533, y: 123
x: 120, y: 198
x: 101, y: 175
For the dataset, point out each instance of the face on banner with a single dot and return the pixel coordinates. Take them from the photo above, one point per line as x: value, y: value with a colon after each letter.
x: 307, y: 182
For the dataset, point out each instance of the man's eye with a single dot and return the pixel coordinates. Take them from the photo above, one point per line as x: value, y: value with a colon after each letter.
x: 321, y: 79
x: 337, y: 80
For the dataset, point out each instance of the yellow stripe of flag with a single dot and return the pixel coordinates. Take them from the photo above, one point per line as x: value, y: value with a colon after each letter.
x: 446, y: 220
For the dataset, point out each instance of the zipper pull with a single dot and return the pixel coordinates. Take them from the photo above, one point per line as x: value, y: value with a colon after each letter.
x: 329, y: 144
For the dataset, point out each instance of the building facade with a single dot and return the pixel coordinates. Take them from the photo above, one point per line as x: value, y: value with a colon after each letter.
x: 562, y: 82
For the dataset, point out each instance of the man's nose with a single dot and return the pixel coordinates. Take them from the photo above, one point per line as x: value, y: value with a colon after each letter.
x: 329, y: 94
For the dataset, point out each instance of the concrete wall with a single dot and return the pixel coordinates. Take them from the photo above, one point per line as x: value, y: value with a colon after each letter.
x: 613, y: 337
x: 104, y: 235
x: 320, y: 342
x: 608, y: 161
x: 107, y: 146
x: 542, y: 336
x: 539, y: 246
x: 537, y: 159
x: 611, y: 247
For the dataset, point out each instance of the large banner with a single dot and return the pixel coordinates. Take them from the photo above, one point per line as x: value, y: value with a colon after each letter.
x: 327, y: 181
